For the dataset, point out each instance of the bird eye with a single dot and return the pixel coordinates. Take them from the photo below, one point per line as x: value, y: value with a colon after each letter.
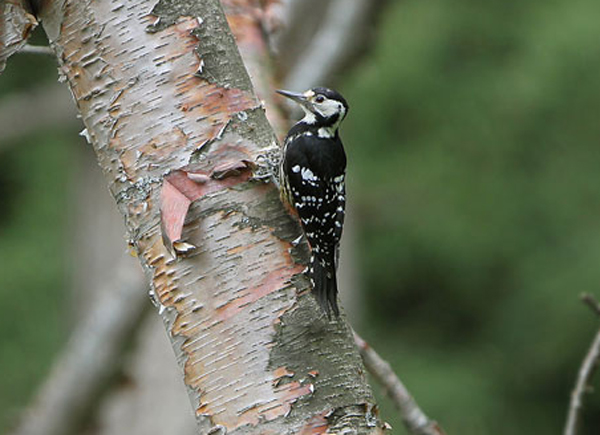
x: 320, y: 98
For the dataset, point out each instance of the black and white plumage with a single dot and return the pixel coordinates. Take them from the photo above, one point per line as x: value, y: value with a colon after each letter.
x: 312, y: 172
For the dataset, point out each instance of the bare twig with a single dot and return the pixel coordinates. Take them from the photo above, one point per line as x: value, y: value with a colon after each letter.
x: 37, y: 49
x: 591, y: 301
x: 586, y: 372
x: 414, y: 419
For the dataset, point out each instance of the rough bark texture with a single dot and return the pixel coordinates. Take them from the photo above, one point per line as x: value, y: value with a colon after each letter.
x: 170, y: 111
x: 16, y: 24
x: 250, y: 22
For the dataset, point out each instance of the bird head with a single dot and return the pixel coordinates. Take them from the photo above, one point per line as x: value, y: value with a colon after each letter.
x: 322, y: 106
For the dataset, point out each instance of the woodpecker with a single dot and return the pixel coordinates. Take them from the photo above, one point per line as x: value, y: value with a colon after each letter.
x: 312, y: 171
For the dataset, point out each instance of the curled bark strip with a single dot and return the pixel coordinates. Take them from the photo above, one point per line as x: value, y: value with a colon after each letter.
x: 317, y: 425
x: 181, y: 188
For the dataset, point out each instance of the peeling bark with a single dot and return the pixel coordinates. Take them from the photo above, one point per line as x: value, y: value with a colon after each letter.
x: 16, y: 24
x: 171, y: 114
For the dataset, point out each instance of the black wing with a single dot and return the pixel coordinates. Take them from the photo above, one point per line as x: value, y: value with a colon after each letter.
x: 316, y: 182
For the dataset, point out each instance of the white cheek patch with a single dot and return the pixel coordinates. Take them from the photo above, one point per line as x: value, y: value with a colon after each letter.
x: 329, y: 108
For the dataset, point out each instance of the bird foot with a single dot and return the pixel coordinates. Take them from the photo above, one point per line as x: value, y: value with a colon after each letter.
x: 297, y: 240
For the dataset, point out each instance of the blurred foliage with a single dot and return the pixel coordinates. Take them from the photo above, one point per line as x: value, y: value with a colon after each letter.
x: 33, y: 191
x: 34, y: 177
x: 475, y: 170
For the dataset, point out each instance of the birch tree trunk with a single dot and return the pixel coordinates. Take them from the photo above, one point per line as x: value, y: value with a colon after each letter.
x: 180, y: 134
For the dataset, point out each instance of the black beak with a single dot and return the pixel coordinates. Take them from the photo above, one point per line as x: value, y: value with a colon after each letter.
x: 298, y: 98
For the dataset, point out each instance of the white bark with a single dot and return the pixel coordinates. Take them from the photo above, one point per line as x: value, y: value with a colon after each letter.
x: 166, y: 101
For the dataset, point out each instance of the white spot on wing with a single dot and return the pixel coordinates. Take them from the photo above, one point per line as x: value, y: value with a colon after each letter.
x: 296, y: 169
x: 307, y: 174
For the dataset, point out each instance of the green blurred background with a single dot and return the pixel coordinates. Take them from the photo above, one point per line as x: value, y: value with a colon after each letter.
x: 475, y: 173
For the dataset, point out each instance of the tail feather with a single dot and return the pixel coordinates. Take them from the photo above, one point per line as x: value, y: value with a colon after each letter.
x: 325, y: 286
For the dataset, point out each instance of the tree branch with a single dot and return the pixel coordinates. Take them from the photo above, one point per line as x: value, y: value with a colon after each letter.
x: 91, y: 357
x: 339, y: 38
x: 37, y: 49
x: 586, y: 373
x: 180, y: 136
x: 591, y: 301
x: 414, y: 419
x: 16, y: 24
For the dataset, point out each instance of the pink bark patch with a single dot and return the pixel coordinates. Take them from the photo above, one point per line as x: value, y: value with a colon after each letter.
x: 181, y: 188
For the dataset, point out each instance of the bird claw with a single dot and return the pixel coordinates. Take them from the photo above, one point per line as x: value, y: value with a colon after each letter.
x: 297, y: 240
x: 267, y: 164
